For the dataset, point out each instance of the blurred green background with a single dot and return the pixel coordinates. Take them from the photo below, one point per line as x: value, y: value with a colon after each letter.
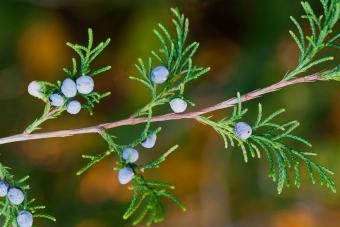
x: 247, y: 45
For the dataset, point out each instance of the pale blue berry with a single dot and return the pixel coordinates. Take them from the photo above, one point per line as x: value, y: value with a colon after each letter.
x: 243, y: 130
x: 130, y: 155
x: 159, y: 74
x: 73, y: 107
x: 150, y: 141
x: 85, y: 84
x: 69, y: 88
x: 56, y: 99
x: 15, y: 196
x: 3, y: 188
x: 34, y: 89
x: 178, y: 105
x: 125, y: 175
x: 25, y: 219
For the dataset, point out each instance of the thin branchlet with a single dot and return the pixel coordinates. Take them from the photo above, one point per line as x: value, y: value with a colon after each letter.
x: 321, y: 36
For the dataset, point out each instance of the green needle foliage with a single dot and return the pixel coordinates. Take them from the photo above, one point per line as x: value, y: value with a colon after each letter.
x: 87, y: 54
x: 177, y: 56
x: 146, y: 197
x: 147, y: 194
x: 9, y: 211
x: 270, y: 138
x: 322, y: 29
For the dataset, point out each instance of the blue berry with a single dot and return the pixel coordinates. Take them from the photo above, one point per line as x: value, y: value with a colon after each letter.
x: 25, y: 219
x: 178, y: 105
x: 159, y: 74
x: 125, y: 175
x: 69, y: 88
x: 243, y: 130
x: 3, y: 188
x: 56, y: 99
x: 150, y: 141
x: 15, y: 196
x: 85, y: 84
x: 34, y: 89
x: 73, y: 107
x: 130, y: 155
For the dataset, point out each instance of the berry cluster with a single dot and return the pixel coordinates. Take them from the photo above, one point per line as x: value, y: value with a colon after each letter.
x: 159, y: 75
x: 130, y: 155
x: 69, y: 88
x: 16, y: 197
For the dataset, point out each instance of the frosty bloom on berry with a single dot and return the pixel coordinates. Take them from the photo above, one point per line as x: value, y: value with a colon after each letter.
x: 69, y: 88
x: 15, y: 196
x: 34, y: 89
x: 56, y: 99
x: 125, y: 175
x: 3, y: 188
x: 159, y: 74
x: 85, y: 84
x: 150, y: 141
x: 73, y: 107
x: 178, y: 105
x: 243, y: 130
x: 25, y: 219
x: 130, y: 155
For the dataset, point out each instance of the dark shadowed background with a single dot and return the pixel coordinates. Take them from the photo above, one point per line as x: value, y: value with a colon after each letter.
x: 247, y: 45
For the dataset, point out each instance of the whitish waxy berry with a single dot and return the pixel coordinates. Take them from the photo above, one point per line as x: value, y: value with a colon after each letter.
x: 15, y: 196
x: 69, y: 88
x: 159, y: 74
x: 125, y: 175
x: 130, y: 155
x: 150, y: 141
x: 34, y: 89
x: 178, y: 105
x: 243, y: 130
x: 85, y: 84
x: 73, y: 107
x: 25, y: 219
x: 3, y: 188
x: 56, y: 99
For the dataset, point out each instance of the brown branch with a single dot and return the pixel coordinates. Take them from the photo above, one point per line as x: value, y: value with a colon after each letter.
x: 166, y: 117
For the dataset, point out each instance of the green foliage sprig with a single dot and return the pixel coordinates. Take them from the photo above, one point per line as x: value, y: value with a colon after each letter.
x: 270, y: 138
x: 9, y: 211
x: 87, y: 54
x: 146, y: 196
x: 321, y: 28
x: 144, y: 191
x: 177, y: 56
